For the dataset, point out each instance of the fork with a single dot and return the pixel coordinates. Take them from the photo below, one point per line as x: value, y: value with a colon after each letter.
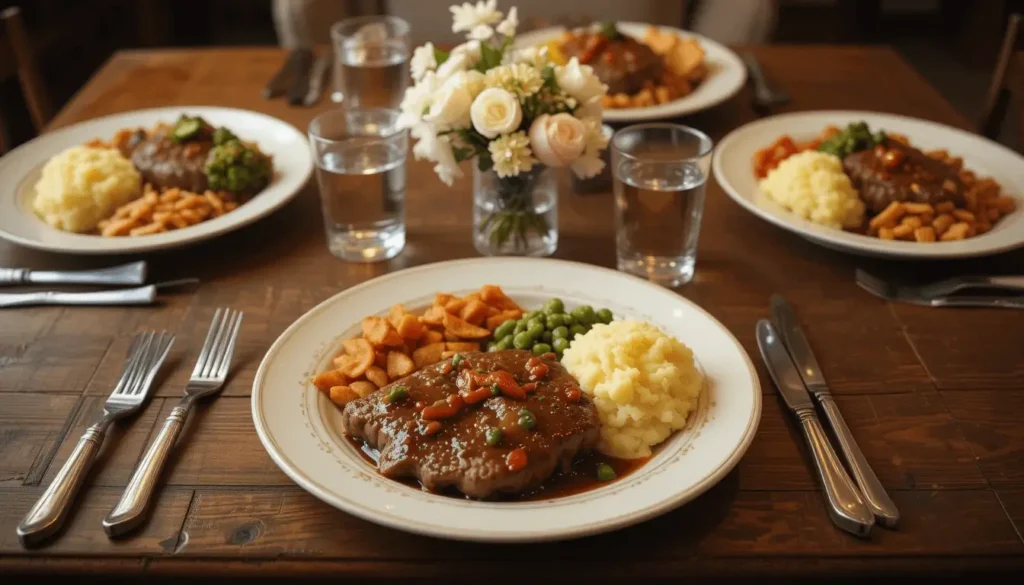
x: 909, y: 295
x: 207, y: 378
x: 943, y: 287
x: 145, y: 356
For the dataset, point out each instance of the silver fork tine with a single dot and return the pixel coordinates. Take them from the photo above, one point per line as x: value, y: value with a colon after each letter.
x: 146, y: 354
x: 207, y: 378
x: 220, y: 370
x: 205, y: 353
x: 218, y: 344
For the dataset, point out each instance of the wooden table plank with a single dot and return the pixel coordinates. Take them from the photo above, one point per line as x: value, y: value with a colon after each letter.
x: 51, y: 363
x: 991, y: 421
x: 30, y: 427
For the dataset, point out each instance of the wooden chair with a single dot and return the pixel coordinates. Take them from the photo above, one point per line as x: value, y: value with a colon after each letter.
x: 17, y: 59
x: 1007, y: 84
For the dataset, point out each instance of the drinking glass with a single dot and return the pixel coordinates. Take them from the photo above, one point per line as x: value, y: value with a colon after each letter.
x: 360, y: 167
x: 371, y: 61
x: 660, y: 173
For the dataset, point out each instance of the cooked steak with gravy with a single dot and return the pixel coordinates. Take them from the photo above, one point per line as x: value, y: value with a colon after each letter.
x: 165, y: 163
x: 898, y: 172
x: 624, y: 64
x: 490, y: 424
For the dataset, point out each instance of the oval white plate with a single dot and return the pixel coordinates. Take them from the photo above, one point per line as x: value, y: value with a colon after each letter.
x: 726, y: 74
x: 20, y: 169
x: 734, y: 172
x: 299, y: 426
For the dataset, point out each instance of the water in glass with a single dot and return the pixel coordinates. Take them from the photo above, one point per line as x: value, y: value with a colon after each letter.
x: 373, y: 76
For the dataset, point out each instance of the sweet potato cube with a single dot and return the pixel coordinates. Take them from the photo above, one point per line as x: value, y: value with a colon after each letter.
x: 410, y: 327
x: 325, y: 380
x: 458, y: 327
x: 428, y: 354
x: 342, y: 395
x: 396, y: 314
x: 474, y: 313
x: 454, y: 306
x: 431, y: 336
x: 399, y: 365
x: 495, y: 320
x: 379, y: 332
x: 434, y: 315
x: 377, y: 375
x: 363, y: 388
x: 494, y: 296
x: 462, y: 346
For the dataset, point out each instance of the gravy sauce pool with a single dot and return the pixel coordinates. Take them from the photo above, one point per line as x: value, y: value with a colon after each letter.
x: 581, y: 477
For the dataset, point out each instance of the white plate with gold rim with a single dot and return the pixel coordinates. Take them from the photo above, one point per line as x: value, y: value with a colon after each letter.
x: 300, y: 427
x: 733, y: 170
x: 726, y: 73
x: 20, y: 170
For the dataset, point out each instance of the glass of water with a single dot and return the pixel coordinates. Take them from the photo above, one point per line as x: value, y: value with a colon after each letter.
x: 660, y: 173
x: 360, y: 167
x: 371, y: 61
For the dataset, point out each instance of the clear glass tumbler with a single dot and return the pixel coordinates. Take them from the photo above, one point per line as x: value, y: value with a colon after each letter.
x: 660, y: 173
x: 360, y: 167
x: 371, y: 61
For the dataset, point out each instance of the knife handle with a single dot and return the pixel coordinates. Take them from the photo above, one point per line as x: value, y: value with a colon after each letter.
x: 845, y: 504
x: 875, y: 497
x: 142, y: 295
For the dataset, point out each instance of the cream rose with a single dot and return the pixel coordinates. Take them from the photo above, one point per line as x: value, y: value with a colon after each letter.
x: 557, y: 140
x: 495, y: 111
x: 451, y: 104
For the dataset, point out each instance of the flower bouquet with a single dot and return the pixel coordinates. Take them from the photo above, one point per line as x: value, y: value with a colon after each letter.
x: 513, y: 110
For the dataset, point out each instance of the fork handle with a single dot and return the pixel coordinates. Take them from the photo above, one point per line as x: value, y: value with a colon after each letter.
x: 51, y: 509
x: 131, y: 508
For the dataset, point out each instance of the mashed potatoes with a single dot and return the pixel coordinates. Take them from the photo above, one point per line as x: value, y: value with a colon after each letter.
x: 813, y: 185
x: 83, y: 185
x: 643, y: 381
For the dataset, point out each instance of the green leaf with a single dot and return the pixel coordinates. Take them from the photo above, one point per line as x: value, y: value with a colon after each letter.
x: 462, y: 153
x: 484, y: 162
x: 490, y: 57
x: 441, y: 56
x: 610, y: 32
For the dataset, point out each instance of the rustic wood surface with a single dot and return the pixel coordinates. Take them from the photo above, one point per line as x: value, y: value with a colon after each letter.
x: 935, y: 398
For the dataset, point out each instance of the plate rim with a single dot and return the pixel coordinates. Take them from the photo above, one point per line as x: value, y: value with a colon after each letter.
x: 140, y: 245
x: 841, y: 241
x: 662, y: 507
x: 667, y: 110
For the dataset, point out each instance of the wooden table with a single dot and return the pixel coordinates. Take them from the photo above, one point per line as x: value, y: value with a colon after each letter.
x: 935, y: 398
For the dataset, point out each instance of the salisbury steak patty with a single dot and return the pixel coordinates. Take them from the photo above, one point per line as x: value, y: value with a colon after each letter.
x: 457, y: 455
x: 894, y: 171
x: 165, y: 163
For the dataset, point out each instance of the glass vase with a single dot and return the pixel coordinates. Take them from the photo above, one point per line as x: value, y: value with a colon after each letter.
x: 515, y: 216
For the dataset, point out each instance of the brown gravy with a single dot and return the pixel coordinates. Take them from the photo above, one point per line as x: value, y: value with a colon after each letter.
x: 582, y: 477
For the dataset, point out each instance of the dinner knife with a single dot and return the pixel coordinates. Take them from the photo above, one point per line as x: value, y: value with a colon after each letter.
x: 300, y: 85
x: 846, y: 506
x: 134, y: 273
x: 316, y: 78
x: 807, y: 365
x: 142, y: 295
x: 278, y: 84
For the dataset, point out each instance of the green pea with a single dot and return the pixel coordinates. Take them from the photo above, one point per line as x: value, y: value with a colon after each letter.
x: 397, y: 393
x: 534, y: 315
x: 506, y: 343
x: 546, y: 337
x: 541, y: 348
x: 495, y: 389
x: 605, y: 472
x: 523, y: 340
x: 560, y: 333
x: 560, y: 344
x: 536, y: 323
x: 505, y: 328
x: 456, y: 360
x: 493, y: 437
x: 555, y: 320
x: 605, y: 316
x: 554, y: 306
x: 520, y: 326
x: 584, y: 314
x: 576, y: 330
x: 492, y: 346
x: 526, y: 419
x: 568, y: 320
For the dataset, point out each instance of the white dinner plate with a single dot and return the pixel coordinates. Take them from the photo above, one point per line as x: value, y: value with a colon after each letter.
x: 726, y: 74
x: 300, y: 427
x: 20, y: 170
x: 733, y: 170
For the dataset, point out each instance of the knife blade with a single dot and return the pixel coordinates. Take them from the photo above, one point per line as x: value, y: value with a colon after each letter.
x: 278, y: 85
x: 133, y: 273
x: 846, y: 506
x: 316, y: 78
x: 300, y: 85
x: 810, y: 372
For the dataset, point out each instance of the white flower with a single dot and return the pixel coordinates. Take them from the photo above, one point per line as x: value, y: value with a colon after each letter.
x: 469, y: 48
x: 590, y: 163
x: 535, y: 56
x: 520, y: 79
x: 437, y: 149
x: 451, y: 103
x: 495, y: 111
x: 480, y: 32
x: 417, y: 100
x: 579, y: 81
x: 508, y: 26
x: 511, y: 154
x: 422, y: 61
x: 456, y: 62
x: 557, y: 140
x: 467, y: 17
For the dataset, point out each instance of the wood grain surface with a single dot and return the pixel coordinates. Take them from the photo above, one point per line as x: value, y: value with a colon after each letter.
x: 934, y: 398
